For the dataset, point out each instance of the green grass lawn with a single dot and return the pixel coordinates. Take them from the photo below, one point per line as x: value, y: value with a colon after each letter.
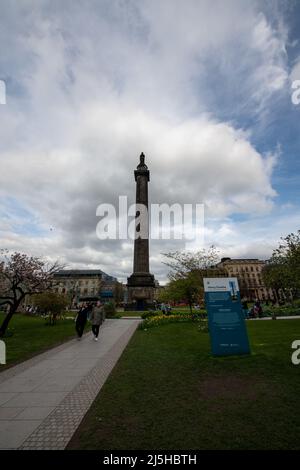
x: 31, y: 335
x: 167, y: 392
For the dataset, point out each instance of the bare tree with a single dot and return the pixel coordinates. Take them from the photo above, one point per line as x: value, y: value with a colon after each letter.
x: 183, y: 263
x: 187, y: 272
x: 22, y: 275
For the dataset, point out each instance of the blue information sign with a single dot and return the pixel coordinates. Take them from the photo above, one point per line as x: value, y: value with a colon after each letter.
x: 226, y: 321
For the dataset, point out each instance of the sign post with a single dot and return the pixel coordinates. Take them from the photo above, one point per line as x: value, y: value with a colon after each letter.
x: 226, y: 322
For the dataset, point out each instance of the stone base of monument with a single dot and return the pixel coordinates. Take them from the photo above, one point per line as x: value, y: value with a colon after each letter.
x: 139, y: 306
x: 140, y: 289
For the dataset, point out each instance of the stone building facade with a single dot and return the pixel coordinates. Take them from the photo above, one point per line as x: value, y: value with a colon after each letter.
x: 84, y: 285
x: 249, y: 274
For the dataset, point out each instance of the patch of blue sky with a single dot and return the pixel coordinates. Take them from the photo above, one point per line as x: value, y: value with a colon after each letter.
x: 274, y: 131
x: 293, y: 20
x: 22, y: 220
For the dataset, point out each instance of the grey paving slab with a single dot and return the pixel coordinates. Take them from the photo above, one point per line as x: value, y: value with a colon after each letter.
x: 58, y: 384
x: 13, y: 433
x: 35, y: 399
x: 9, y: 413
x: 45, y: 400
x: 21, y: 368
x: 23, y: 384
x: 33, y: 413
x: 6, y: 396
x: 35, y: 372
x: 78, y: 372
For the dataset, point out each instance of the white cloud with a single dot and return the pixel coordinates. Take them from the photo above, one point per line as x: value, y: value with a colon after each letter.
x: 90, y: 88
x: 295, y: 72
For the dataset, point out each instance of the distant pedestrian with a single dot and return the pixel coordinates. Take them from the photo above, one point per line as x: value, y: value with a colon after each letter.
x: 163, y: 308
x: 168, y: 309
x: 97, y: 317
x: 245, y: 308
x: 258, y: 309
x: 81, y: 319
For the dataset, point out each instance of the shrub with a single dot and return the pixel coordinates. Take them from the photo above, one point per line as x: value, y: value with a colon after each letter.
x: 110, y: 310
x: 281, y: 311
x: 51, y: 305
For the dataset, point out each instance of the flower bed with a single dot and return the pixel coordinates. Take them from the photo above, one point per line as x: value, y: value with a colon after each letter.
x: 158, y: 320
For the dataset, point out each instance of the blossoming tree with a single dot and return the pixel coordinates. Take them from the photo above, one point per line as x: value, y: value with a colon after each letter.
x: 22, y: 275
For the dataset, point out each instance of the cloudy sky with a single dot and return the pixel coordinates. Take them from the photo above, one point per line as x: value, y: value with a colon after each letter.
x: 202, y: 87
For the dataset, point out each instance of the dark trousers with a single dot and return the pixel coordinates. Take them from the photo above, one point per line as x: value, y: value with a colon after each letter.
x: 79, y: 328
x: 95, y: 330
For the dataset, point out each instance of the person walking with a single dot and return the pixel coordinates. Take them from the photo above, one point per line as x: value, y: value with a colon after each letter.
x: 97, y: 317
x: 81, y: 319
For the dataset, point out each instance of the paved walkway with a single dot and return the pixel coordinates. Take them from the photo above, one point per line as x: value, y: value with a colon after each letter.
x: 292, y: 317
x: 43, y: 400
x: 132, y: 318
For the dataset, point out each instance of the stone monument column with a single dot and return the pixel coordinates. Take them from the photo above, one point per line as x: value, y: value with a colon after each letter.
x: 141, y: 283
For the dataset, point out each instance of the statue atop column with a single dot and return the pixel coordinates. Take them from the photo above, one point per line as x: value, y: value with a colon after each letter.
x: 142, y: 162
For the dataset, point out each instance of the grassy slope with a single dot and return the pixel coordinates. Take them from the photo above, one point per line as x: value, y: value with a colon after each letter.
x: 167, y: 392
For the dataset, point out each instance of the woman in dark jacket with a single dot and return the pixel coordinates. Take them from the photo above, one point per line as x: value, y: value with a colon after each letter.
x: 81, y: 319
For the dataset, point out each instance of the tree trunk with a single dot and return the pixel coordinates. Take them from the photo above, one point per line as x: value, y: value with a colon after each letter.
x: 292, y: 297
x: 3, y: 328
x: 278, y: 296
